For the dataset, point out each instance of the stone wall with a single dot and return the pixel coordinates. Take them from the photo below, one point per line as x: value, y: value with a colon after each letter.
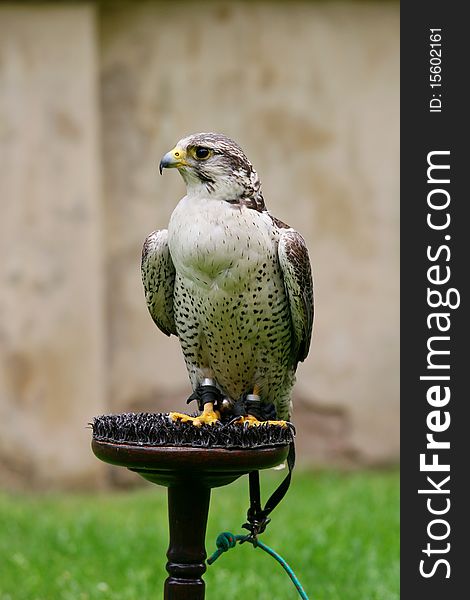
x: 52, y: 328
x: 90, y: 98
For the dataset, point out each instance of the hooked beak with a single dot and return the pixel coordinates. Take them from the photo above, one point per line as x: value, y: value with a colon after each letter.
x: 173, y: 159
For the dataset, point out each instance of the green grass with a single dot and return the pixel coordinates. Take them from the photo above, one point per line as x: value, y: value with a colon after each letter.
x: 339, y: 532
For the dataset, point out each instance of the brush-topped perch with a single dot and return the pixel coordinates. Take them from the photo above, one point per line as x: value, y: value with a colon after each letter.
x: 190, y: 461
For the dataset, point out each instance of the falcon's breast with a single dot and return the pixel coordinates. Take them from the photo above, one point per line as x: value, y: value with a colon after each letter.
x: 231, y: 308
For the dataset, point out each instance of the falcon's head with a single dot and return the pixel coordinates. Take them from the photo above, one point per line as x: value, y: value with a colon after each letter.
x: 213, y: 164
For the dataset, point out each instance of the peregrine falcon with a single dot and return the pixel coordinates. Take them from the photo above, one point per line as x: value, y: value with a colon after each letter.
x: 231, y: 281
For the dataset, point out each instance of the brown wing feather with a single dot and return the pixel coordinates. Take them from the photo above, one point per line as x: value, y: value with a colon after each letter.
x: 158, y: 277
x: 297, y: 274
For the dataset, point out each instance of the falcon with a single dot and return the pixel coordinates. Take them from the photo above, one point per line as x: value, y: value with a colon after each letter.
x: 232, y: 282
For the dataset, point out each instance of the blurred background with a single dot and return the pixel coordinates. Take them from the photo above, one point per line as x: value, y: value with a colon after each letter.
x: 91, y: 96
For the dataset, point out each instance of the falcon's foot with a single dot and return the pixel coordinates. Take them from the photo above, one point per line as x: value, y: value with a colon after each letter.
x: 254, y: 413
x: 252, y: 421
x: 208, y: 417
x: 177, y: 416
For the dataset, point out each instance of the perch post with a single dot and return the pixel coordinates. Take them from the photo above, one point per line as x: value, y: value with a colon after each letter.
x: 189, y: 473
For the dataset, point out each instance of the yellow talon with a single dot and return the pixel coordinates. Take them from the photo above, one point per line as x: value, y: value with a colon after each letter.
x: 252, y: 421
x: 277, y: 423
x: 177, y: 416
x: 208, y: 417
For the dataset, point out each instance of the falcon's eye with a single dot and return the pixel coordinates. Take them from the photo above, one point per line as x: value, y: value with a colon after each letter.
x: 201, y: 153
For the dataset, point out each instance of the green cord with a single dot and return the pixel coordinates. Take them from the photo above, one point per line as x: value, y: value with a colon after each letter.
x: 227, y: 540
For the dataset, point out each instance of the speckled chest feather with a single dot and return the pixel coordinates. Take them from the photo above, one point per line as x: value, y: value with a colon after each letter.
x: 231, y: 310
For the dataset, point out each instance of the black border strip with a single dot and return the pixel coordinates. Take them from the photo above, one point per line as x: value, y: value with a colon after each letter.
x: 422, y: 132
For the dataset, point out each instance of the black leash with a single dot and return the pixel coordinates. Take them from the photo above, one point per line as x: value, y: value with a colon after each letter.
x: 258, y: 518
